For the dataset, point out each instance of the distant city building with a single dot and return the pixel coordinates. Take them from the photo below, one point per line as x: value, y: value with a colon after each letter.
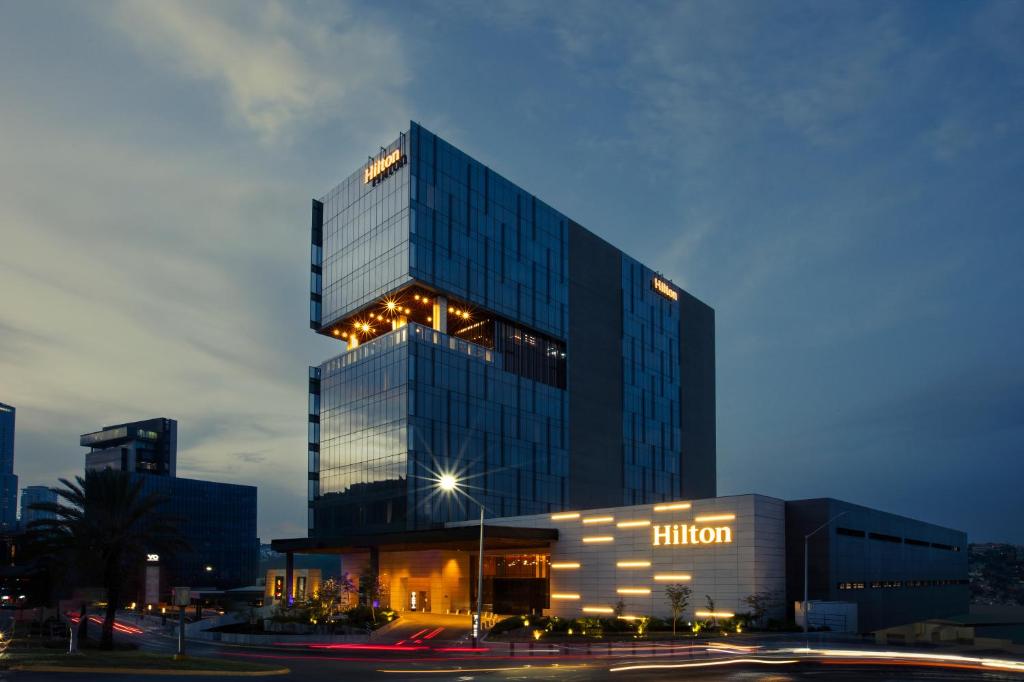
x: 8, y: 480
x: 35, y: 494
x: 216, y: 520
x: 146, y: 447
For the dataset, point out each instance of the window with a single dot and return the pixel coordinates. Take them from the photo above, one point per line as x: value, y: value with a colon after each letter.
x: 850, y: 532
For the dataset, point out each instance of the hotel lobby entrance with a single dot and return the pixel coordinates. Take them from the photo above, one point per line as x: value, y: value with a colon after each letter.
x: 513, y: 583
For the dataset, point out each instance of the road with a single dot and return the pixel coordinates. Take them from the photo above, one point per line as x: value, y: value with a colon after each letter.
x: 410, y: 653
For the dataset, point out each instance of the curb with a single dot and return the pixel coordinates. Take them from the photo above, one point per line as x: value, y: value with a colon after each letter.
x: 149, y: 671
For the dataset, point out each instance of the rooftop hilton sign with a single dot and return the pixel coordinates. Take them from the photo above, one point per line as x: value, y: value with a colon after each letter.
x: 383, y: 165
x: 684, y: 534
x: 664, y: 288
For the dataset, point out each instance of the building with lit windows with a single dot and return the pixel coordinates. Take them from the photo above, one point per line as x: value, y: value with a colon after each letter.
x: 216, y: 520
x: 485, y: 338
x: 481, y: 331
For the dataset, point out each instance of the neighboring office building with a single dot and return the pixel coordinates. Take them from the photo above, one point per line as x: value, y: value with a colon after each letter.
x: 482, y: 331
x: 36, y: 494
x: 146, y: 447
x: 217, y: 520
x: 8, y: 479
x: 884, y: 563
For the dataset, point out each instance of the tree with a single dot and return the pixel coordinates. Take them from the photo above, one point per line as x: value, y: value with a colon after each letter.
x: 325, y: 600
x: 761, y: 603
x: 105, y: 521
x: 711, y: 608
x: 348, y: 588
x: 679, y: 598
x: 620, y: 608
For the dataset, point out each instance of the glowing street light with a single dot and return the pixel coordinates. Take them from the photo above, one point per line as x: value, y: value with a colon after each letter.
x: 449, y: 484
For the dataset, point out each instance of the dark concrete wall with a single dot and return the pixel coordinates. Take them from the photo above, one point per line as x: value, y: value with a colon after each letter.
x: 697, y: 397
x: 595, y: 371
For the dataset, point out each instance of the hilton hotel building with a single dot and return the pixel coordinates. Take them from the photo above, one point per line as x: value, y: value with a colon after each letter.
x: 568, y: 387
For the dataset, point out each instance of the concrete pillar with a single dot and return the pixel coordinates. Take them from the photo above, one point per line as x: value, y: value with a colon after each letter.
x: 289, y: 578
x: 440, y: 316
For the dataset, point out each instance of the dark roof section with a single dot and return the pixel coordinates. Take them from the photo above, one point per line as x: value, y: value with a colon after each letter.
x: 458, y: 537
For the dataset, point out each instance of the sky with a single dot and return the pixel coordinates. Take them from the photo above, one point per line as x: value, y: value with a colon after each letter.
x: 842, y: 182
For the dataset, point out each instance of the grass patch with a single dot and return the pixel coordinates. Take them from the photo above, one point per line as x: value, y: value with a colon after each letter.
x: 127, y: 660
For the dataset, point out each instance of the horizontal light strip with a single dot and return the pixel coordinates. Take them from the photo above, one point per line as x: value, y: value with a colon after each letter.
x: 715, y: 517
x: 564, y: 516
x: 565, y: 564
x: 598, y: 609
x: 599, y: 519
x: 633, y: 524
x: 564, y: 596
x: 634, y: 590
x: 599, y: 538
x: 714, y: 614
x: 672, y: 507
x: 672, y: 576
x: 633, y: 564
x: 630, y: 617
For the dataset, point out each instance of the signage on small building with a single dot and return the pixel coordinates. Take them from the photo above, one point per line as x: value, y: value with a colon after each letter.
x: 684, y: 534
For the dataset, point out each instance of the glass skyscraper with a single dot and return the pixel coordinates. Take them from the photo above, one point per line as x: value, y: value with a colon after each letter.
x: 484, y: 333
x: 8, y: 479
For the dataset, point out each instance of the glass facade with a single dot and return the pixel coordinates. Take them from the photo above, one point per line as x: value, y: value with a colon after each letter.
x: 218, y: 521
x: 448, y: 289
x: 651, y: 388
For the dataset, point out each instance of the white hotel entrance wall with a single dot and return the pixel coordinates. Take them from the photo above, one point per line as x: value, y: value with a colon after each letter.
x: 725, y: 547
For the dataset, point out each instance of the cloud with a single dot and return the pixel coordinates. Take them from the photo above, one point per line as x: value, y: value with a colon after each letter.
x: 275, y: 70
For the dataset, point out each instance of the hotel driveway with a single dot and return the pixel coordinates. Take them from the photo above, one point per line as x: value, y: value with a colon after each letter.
x: 415, y: 628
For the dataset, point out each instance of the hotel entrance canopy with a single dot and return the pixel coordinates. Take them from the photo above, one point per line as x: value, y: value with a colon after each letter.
x: 456, y: 538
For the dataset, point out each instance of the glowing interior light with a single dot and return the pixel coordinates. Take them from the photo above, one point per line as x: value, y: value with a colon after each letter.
x: 598, y: 609
x: 633, y: 524
x: 564, y: 596
x: 672, y: 576
x: 714, y: 614
x: 599, y: 538
x: 429, y: 318
x: 633, y: 564
x: 391, y: 306
x: 561, y: 565
x: 564, y: 516
x: 715, y: 517
x: 344, y: 335
x: 599, y: 519
x: 672, y: 507
x: 634, y: 590
x: 337, y: 331
x: 447, y: 482
x: 407, y: 311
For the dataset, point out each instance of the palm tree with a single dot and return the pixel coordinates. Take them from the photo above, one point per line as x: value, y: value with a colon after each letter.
x: 106, y: 522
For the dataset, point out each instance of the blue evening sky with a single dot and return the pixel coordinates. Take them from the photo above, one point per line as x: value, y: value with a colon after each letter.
x: 842, y: 182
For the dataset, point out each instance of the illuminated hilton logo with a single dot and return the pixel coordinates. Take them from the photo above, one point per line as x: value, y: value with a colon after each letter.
x: 664, y: 288
x: 683, y: 534
x: 383, y: 165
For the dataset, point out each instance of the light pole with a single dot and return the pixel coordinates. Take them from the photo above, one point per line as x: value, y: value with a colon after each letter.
x: 807, y: 559
x: 449, y: 484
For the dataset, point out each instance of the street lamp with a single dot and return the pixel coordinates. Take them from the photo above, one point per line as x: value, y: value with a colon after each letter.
x: 449, y: 484
x: 806, y: 558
